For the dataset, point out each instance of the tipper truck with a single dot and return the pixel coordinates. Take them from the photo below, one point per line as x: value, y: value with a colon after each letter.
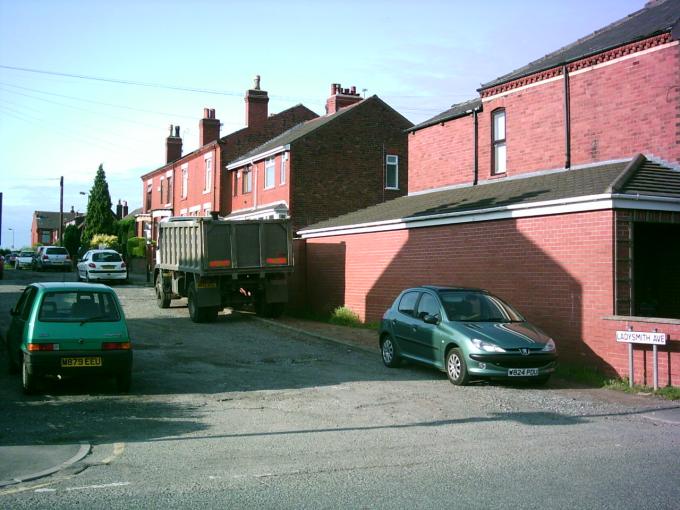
x: 217, y: 263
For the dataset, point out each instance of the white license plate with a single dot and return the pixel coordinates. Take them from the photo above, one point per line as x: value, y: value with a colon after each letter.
x: 522, y: 372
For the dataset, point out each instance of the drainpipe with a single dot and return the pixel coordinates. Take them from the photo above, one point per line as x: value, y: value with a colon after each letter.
x: 567, y: 119
x: 476, y: 148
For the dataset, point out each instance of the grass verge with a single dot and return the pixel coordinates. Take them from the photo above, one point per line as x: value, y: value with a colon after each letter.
x: 592, y: 377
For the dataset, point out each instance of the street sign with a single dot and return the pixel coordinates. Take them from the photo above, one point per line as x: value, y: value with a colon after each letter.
x: 640, y: 337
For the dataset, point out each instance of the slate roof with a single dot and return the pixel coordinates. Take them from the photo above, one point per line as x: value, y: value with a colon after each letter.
x: 456, y: 111
x: 638, y: 175
x: 50, y: 220
x: 651, y: 20
x: 305, y: 128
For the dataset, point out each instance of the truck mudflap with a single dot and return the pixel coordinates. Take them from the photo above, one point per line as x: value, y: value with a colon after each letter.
x: 276, y: 290
x: 207, y: 292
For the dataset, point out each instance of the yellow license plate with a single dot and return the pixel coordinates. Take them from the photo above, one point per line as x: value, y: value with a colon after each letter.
x: 87, y: 361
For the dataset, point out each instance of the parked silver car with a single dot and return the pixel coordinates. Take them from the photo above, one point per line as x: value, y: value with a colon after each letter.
x: 102, y: 265
x: 52, y: 257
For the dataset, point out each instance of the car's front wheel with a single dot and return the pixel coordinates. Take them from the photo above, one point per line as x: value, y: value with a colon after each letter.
x: 390, y: 354
x: 456, y: 369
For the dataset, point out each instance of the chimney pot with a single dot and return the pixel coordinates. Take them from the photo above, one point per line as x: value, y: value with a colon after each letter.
x: 256, y: 82
x: 353, y: 90
x: 208, y: 127
x: 173, y: 146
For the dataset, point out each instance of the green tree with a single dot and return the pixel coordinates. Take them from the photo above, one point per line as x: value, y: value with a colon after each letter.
x: 72, y: 240
x: 125, y: 229
x: 99, y: 218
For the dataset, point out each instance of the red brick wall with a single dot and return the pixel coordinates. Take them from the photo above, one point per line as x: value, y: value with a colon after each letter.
x: 280, y: 191
x: 557, y: 270
x: 628, y: 107
x: 338, y: 167
x: 618, y: 109
x: 441, y: 155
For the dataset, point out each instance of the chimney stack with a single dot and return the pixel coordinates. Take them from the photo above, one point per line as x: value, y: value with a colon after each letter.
x: 340, y: 98
x: 256, y: 105
x: 173, y: 145
x: 208, y: 127
x: 125, y: 209
x: 119, y: 210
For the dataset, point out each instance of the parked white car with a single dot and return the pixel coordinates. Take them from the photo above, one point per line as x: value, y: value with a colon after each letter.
x: 102, y: 265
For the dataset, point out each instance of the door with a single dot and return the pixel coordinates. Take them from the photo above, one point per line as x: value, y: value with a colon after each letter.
x: 427, y: 336
x: 406, y: 326
x: 17, y: 326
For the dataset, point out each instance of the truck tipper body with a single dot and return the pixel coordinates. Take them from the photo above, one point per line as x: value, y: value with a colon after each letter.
x: 217, y: 263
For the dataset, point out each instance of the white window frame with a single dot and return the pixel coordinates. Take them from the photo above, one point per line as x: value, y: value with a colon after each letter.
x: 207, y: 183
x: 498, y: 144
x: 247, y: 180
x: 185, y: 180
x: 269, y: 173
x: 282, y: 169
x: 392, y: 160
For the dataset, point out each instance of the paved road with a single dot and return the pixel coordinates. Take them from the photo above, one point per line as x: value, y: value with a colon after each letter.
x: 242, y: 414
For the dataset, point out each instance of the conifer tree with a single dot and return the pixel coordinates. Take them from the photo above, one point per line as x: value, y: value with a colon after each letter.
x: 99, y: 219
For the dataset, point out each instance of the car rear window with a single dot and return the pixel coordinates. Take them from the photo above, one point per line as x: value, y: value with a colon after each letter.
x: 26, y: 254
x: 56, y: 251
x: 77, y: 306
x: 107, y: 256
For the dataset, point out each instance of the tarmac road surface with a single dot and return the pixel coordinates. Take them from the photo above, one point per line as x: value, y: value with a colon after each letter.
x: 244, y: 414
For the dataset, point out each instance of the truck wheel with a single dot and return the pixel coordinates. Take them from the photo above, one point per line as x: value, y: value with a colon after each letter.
x: 198, y: 313
x: 162, y: 297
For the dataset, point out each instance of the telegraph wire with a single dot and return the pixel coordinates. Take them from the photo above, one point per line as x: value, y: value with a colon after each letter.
x: 173, y: 115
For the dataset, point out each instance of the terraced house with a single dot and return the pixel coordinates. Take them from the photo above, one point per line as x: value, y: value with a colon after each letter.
x: 196, y: 184
x: 557, y: 188
x: 291, y: 164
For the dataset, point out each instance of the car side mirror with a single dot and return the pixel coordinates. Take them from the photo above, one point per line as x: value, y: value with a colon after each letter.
x: 431, y: 319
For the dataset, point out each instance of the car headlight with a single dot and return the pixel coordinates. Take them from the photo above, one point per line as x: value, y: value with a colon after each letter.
x: 549, y: 346
x: 486, y: 346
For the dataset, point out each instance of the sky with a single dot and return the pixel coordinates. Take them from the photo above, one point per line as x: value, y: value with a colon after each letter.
x: 99, y: 82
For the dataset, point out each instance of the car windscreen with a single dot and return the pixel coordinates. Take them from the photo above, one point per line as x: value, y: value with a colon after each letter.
x: 78, y: 306
x: 56, y: 251
x: 473, y: 306
x: 106, y: 256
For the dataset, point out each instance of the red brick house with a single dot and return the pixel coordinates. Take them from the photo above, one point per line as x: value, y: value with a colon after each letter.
x: 45, y: 226
x: 196, y: 184
x: 558, y: 189
x: 353, y: 157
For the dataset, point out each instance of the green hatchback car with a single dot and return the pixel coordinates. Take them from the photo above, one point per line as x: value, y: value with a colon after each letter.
x: 69, y: 329
x: 468, y: 333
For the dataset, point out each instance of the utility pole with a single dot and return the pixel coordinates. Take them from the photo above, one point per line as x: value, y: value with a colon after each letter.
x: 61, y: 210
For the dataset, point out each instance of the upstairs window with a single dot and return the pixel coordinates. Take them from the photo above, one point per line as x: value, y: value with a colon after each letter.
x: 168, y: 190
x: 282, y: 171
x: 269, y: 173
x: 247, y: 180
x: 185, y: 181
x: 498, y: 149
x: 208, y: 175
x: 391, y: 172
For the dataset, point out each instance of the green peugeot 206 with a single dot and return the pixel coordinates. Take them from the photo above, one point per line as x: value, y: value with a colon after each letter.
x: 468, y: 333
x: 69, y: 329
